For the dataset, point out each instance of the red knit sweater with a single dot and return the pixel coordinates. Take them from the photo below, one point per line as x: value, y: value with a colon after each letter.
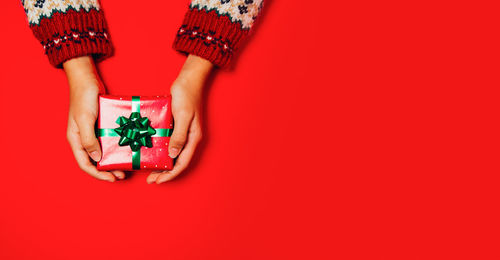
x: 212, y: 29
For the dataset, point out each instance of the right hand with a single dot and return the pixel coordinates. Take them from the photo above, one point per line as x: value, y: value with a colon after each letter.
x: 186, y: 109
x: 84, y: 86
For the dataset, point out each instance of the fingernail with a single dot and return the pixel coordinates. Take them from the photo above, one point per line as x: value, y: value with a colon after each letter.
x: 111, y: 180
x: 95, y: 156
x: 173, y: 152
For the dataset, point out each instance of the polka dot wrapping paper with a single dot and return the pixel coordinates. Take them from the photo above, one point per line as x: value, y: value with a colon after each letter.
x: 134, y: 132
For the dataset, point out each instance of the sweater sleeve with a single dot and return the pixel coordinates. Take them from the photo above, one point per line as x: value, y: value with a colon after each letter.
x: 214, y: 29
x: 69, y: 28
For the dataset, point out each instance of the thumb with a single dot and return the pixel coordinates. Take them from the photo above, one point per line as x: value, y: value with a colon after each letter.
x: 88, y: 138
x: 179, y: 135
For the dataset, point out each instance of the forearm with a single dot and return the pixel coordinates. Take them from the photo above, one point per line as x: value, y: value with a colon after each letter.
x: 81, y: 73
x: 194, y: 72
x: 195, y: 66
x: 78, y: 67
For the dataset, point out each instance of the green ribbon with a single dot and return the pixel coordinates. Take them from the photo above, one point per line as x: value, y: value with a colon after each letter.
x: 135, y: 132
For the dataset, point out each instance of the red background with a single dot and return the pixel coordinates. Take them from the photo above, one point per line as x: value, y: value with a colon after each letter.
x: 345, y: 130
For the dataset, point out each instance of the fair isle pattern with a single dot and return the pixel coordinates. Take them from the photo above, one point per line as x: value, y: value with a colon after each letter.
x: 239, y: 11
x: 74, y: 36
x: 38, y: 9
x: 207, y: 38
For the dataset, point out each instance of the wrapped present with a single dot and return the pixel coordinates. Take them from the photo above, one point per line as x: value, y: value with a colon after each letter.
x: 134, y: 132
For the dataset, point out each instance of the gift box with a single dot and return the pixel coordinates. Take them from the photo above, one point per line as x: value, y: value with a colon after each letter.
x: 134, y: 132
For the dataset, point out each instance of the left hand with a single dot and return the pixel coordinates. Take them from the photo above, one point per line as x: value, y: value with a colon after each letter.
x: 186, y: 94
x: 85, y: 85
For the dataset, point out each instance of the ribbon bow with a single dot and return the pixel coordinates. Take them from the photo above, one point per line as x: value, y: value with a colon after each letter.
x: 134, y: 131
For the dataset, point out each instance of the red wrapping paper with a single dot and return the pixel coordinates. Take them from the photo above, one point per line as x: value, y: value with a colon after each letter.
x: 114, y: 157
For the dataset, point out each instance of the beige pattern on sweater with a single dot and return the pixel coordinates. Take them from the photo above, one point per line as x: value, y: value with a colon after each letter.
x: 37, y: 9
x: 242, y: 11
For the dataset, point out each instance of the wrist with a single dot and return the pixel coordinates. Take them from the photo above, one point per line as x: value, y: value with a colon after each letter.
x: 81, y: 73
x: 79, y: 65
x: 194, y: 72
x: 196, y: 68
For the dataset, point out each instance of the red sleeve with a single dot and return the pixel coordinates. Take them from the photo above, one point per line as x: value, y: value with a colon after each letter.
x: 67, y: 31
x: 214, y: 30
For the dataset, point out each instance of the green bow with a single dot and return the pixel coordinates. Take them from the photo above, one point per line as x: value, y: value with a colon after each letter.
x: 134, y: 131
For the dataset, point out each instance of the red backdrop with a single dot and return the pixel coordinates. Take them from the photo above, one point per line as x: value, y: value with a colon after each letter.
x: 347, y: 130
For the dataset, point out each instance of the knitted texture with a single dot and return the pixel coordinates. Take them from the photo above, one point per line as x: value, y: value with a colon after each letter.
x: 69, y: 28
x: 214, y: 29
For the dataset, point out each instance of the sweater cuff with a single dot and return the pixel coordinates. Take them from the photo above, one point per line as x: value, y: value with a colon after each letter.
x: 72, y: 34
x: 209, y: 35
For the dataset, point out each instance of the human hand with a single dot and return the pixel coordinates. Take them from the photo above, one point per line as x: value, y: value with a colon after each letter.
x: 84, y: 84
x: 186, y: 94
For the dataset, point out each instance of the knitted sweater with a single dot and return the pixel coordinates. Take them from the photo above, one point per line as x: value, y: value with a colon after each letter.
x: 212, y: 29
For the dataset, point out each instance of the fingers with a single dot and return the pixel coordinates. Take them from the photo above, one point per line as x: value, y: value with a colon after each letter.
x: 183, y: 160
x: 152, y: 177
x: 182, y: 120
x: 83, y: 160
x: 118, y: 174
x: 89, y: 141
